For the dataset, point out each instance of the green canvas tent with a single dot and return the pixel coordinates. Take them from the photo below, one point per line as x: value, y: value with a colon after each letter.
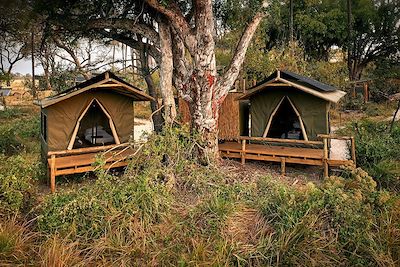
x: 290, y: 106
x: 93, y: 113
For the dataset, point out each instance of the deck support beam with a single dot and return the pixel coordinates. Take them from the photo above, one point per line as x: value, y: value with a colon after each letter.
x: 53, y: 173
x: 243, y: 154
x: 283, y: 166
x: 353, y: 150
x: 325, y: 159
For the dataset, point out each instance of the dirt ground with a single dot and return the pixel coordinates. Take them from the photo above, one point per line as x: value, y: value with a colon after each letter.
x: 296, y: 175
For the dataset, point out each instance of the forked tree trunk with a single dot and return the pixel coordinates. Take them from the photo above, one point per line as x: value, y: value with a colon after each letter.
x: 196, y: 73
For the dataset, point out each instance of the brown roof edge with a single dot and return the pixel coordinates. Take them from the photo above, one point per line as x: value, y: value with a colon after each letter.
x: 95, y: 82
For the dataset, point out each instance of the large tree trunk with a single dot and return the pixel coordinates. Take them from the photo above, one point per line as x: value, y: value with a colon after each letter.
x: 198, y: 83
x: 166, y: 70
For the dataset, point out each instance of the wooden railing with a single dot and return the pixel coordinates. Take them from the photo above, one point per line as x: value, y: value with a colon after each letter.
x: 243, y: 140
x: 86, y: 150
x: 279, y: 140
x: 52, y: 155
x: 325, y: 138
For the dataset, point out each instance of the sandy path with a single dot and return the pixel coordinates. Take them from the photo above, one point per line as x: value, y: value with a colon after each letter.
x: 339, y: 148
x: 141, y: 128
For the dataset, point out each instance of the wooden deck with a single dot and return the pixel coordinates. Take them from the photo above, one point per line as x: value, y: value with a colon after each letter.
x: 82, y: 160
x: 285, y: 154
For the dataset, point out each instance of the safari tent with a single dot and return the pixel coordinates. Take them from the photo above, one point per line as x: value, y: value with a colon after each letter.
x: 287, y: 105
x: 92, y: 116
x: 288, y: 117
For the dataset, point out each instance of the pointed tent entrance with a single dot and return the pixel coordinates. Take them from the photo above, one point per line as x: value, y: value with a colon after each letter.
x: 285, y: 122
x: 94, y: 127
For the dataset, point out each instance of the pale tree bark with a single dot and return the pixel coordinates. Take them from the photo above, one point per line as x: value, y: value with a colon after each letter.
x: 198, y: 84
x: 166, y: 68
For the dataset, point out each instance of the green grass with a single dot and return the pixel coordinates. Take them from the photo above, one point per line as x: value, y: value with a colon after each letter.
x: 169, y: 210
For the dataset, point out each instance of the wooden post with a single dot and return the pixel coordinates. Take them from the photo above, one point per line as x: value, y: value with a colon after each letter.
x: 353, y: 150
x: 53, y: 173
x: 353, y: 93
x: 366, y: 93
x: 243, y: 158
x: 283, y: 166
x: 325, y: 160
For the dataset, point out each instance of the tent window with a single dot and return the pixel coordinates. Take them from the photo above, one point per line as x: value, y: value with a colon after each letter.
x: 286, y: 123
x: 43, y: 128
x: 94, y: 128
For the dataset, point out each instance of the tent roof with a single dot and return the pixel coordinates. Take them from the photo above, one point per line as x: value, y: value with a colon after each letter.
x: 107, y: 80
x: 306, y: 84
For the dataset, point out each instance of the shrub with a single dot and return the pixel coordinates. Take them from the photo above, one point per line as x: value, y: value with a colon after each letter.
x: 10, y: 113
x: 15, y: 136
x: 9, y: 144
x: 88, y: 210
x: 16, y: 176
x: 377, y: 151
x: 334, y: 223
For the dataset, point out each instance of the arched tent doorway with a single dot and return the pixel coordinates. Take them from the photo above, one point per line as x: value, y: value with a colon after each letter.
x: 285, y: 122
x: 94, y: 127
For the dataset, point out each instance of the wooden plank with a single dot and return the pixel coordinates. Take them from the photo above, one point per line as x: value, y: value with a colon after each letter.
x: 273, y: 150
x: 88, y: 168
x: 88, y: 159
x: 87, y: 149
x: 313, y: 162
x: 53, y: 173
x: 334, y: 136
x: 279, y: 140
x: 338, y: 162
x: 325, y: 160
x: 283, y: 166
x: 243, y: 151
x: 353, y: 150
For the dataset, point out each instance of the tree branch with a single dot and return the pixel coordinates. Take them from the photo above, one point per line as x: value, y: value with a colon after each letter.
x: 229, y: 77
x: 178, y: 21
x: 127, y: 25
x: 135, y: 44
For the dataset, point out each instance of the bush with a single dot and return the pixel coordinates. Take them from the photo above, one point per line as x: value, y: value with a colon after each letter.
x: 338, y: 222
x: 9, y: 144
x: 16, y: 176
x: 377, y: 151
x: 89, y: 210
x: 16, y: 136
x: 165, y: 163
x: 10, y: 113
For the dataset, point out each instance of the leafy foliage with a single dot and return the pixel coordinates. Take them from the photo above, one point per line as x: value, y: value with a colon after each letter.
x: 14, y: 135
x: 16, y: 176
x: 377, y: 151
x: 336, y: 222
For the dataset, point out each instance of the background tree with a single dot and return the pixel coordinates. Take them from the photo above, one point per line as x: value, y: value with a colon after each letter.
x: 374, y: 33
x: 12, y: 50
